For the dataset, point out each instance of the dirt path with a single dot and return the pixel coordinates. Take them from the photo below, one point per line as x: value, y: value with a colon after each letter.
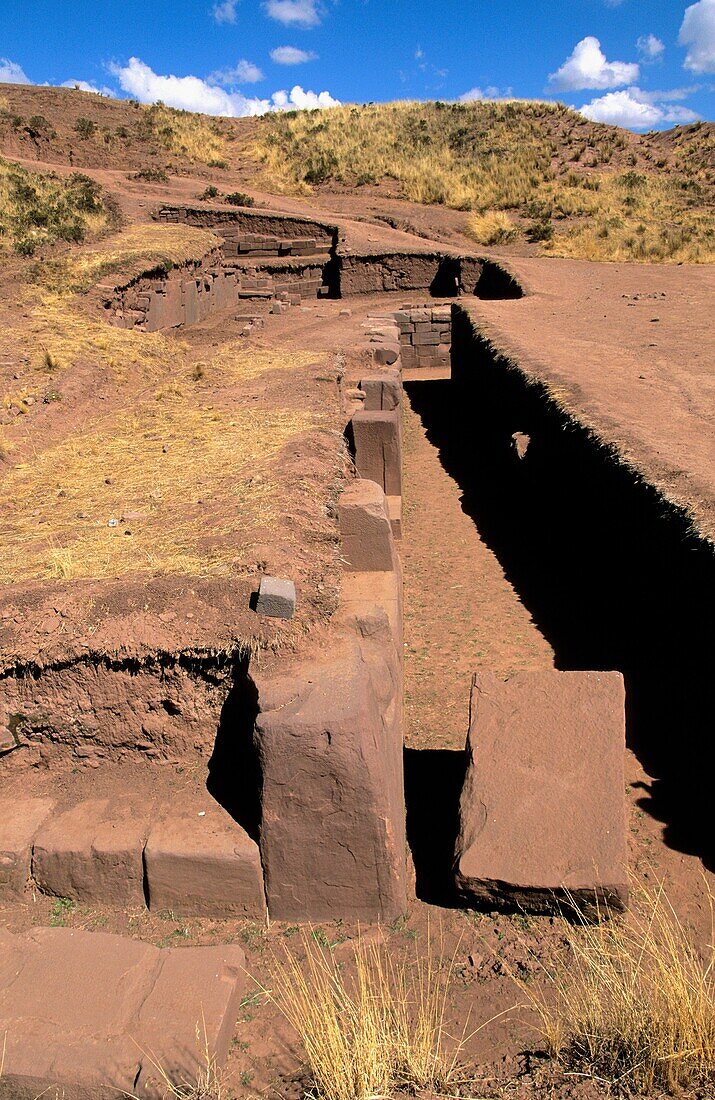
x: 461, y: 613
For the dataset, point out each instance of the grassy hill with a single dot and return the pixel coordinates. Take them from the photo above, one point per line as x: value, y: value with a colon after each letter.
x: 521, y: 171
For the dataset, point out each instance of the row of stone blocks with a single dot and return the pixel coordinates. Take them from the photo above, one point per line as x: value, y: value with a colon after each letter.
x: 252, y: 244
x: 155, y: 305
x: 196, y: 861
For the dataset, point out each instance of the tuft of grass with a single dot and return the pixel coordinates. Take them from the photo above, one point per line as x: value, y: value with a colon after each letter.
x: 493, y: 227
x: 370, y: 1026
x: 636, y: 1004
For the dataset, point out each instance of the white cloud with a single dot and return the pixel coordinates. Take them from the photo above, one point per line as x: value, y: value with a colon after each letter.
x: 650, y: 48
x: 638, y: 110
x: 85, y: 86
x: 11, y: 72
x: 191, y: 93
x: 224, y: 11
x: 476, y: 95
x: 294, y: 13
x: 291, y: 55
x: 587, y: 68
x: 243, y: 72
x: 698, y: 34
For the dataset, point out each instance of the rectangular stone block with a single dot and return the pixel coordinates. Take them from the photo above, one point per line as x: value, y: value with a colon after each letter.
x: 93, y: 853
x: 543, y: 807
x: 20, y: 821
x: 365, y: 528
x: 378, y: 451
x: 201, y: 863
x: 329, y: 737
x: 383, y: 392
x: 428, y: 337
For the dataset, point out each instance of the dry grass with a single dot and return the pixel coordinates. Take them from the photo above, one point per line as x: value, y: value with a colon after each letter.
x: 494, y: 227
x: 562, y: 175
x: 636, y: 1004
x: 136, y: 249
x: 210, y: 1083
x: 164, y: 466
x: 196, y: 137
x: 372, y: 1023
x: 56, y: 334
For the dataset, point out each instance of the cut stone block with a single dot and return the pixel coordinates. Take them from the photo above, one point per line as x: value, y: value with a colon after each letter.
x: 386, y: 354
x: 378, y: 451
x: 19, y: 824
x: 93, y: 853
x: 201, y: 863
x: 91, y: 1014
x: 276, y: 598
x: 329, y: 739
x: 365, y: 528
x: 543, y: 806
x: 383, y: 392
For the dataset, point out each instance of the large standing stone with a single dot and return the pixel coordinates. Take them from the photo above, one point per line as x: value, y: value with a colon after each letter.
x: 378, y: 450
x: 543, y: 808
x: 91, y: 1014
x: 329, y: 740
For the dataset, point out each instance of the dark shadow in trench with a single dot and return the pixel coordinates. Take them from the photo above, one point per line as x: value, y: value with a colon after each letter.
x: 234, y: 778
x: 433, y: 783
x: 612, y: 575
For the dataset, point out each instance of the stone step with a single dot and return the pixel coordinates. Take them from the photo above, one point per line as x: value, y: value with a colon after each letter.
x: 92, y: 1015
x: 191, y: 858
x: 543, y: 806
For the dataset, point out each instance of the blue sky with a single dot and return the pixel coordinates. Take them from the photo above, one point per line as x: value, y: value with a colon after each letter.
x: 639, y: 63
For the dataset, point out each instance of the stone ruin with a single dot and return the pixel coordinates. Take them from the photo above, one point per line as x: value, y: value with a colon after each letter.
x: 322, y: 742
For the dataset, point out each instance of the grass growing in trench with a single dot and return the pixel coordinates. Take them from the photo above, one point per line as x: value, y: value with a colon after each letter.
x: 636, y: 1004
x: 370, y: 1023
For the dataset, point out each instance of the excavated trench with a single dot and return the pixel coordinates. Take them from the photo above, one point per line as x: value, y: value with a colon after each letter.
x: 613, y: 576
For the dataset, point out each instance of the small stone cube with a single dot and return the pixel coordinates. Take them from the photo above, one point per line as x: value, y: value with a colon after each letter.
x: 276, y: 598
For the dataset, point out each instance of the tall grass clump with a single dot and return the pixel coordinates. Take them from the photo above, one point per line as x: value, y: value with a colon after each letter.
x: 183, y: 133
x: 371, y: 1025
x: 40, y: 209
x: 636, y: 1004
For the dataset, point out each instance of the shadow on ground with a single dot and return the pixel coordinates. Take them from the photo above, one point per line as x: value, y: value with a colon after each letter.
x: 613, y: 577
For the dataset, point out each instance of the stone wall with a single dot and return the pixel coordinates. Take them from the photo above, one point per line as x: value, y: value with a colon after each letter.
x: 236, y: 223
x: 425, y: 335
x: 183, y: 297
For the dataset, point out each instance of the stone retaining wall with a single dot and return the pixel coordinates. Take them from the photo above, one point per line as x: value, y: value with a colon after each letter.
x: 425, y: 335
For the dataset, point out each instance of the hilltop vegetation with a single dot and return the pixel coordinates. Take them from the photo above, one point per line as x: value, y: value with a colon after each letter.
x: 40, y: 209
x: 583, y: 189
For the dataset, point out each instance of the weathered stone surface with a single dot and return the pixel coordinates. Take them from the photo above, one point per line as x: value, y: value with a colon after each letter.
x: 329, y: 740
x: 89, y: 1013
x: 383, y: 391
x: 378, y: 451
x: 276, y: 597
x: 385, y: 354
x: 365, y: 529
x: 542, y: 810
x: 201, y: 863
x: 19, y: 823
x: 93, y: 853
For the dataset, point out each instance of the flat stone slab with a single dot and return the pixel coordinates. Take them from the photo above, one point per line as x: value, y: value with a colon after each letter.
x: 543, y: 805
x: 93, y: 853
x: 89, y: 1013
x: 19, y: 824
x: 201, y: 863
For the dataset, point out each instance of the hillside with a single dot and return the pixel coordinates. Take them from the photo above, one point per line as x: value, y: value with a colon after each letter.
x: 525, y: 173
